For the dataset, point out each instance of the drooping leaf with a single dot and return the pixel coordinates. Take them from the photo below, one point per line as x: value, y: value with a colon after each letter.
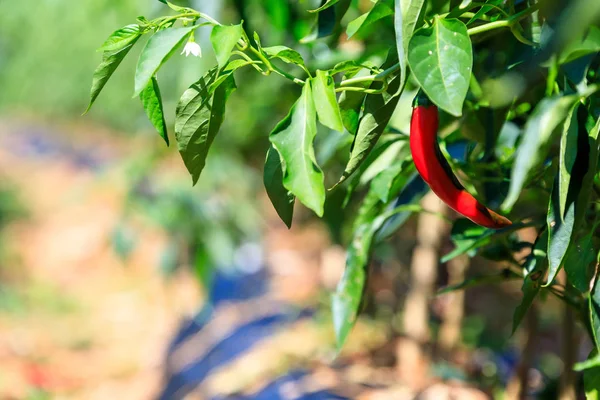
x: 328, y: 111
x: 293, y: 138
x: 110, y: 61
x: 328, y: 20
x: 377, y: 113
x: 223, y: 39
x: 281, y: 198
x: 381, y: 9
x: 121, y: 38
x: 406, y: 15
x: 159, y: 48
x: 546, y: 117
x: 152, y: 103
x: 349, y: 292
x: 199, y: 116
x: 285, y: 54
x: 534, y: 268
x: 441, y: 59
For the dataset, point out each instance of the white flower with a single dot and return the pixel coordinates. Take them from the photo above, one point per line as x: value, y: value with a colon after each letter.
x: 192, y: 48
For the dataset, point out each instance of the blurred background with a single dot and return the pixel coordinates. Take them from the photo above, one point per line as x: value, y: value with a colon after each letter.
x: 108, y: 254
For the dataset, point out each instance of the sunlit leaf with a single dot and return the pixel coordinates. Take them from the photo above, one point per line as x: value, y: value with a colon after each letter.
x: 159, y: 48
x: 381, y: 9
x: 223, y: 39
x: 293, y: 138
x: 121, y: 38
x: 110, y: 61
x: 328, y: 111
x: 285, y: 54
x: 441, y: 59
x: 406, y: 15
x: 377, y: 113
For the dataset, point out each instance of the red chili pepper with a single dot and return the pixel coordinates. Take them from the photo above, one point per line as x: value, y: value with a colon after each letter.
x: 435, y: 170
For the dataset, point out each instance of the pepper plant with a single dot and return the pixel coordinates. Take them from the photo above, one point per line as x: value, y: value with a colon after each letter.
x: 516, y: 84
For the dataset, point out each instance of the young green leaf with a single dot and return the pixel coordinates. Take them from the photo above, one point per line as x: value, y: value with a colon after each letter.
x: 110, y: 61
x: 223, y: 39
x: 546, y: 117
x: 285, y: 54
x: 381, y: 9
x: 350, y: 104
x: 159, y: 48
x: 441, y: 58
x: 199, y: 116
x: 293, y: 138
x: 323, y: 89
x: 282, y: 200
x: 152, y: 103
x: 121, y: 38
x: 377, y: 113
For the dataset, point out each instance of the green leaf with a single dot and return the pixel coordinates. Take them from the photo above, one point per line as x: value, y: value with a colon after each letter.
x: 350, y: 104
x: 282, y: 200
x: 591, y: 383
x: 327, y: 4
x: 377, y: 113
x: 347, y: 298
x: 441, y: 59
x: 223, y: 39
x: 110, y: 61
x: 285, y: 54
x: 152, y: 103
x: 589, y: 44
x: 382, y: 183
x: 293, y: 138
x: 121, y: 38
x: 547, y: 116
x: 580, y: 261
x: 563, y: 213
x: 159, y: 48
x: 534, y: 268
x: 381, y: 9
x: 323, y: 89
x: 328, y: 21
x: 406, y: 15
x: 594, y: 306
x: 592, y: 362
x: 199, y: 116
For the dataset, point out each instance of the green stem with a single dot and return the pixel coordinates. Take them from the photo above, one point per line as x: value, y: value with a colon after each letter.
x: 505, y: 23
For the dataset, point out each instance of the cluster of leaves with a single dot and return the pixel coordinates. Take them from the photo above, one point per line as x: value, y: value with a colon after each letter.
x: 516, y: 83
